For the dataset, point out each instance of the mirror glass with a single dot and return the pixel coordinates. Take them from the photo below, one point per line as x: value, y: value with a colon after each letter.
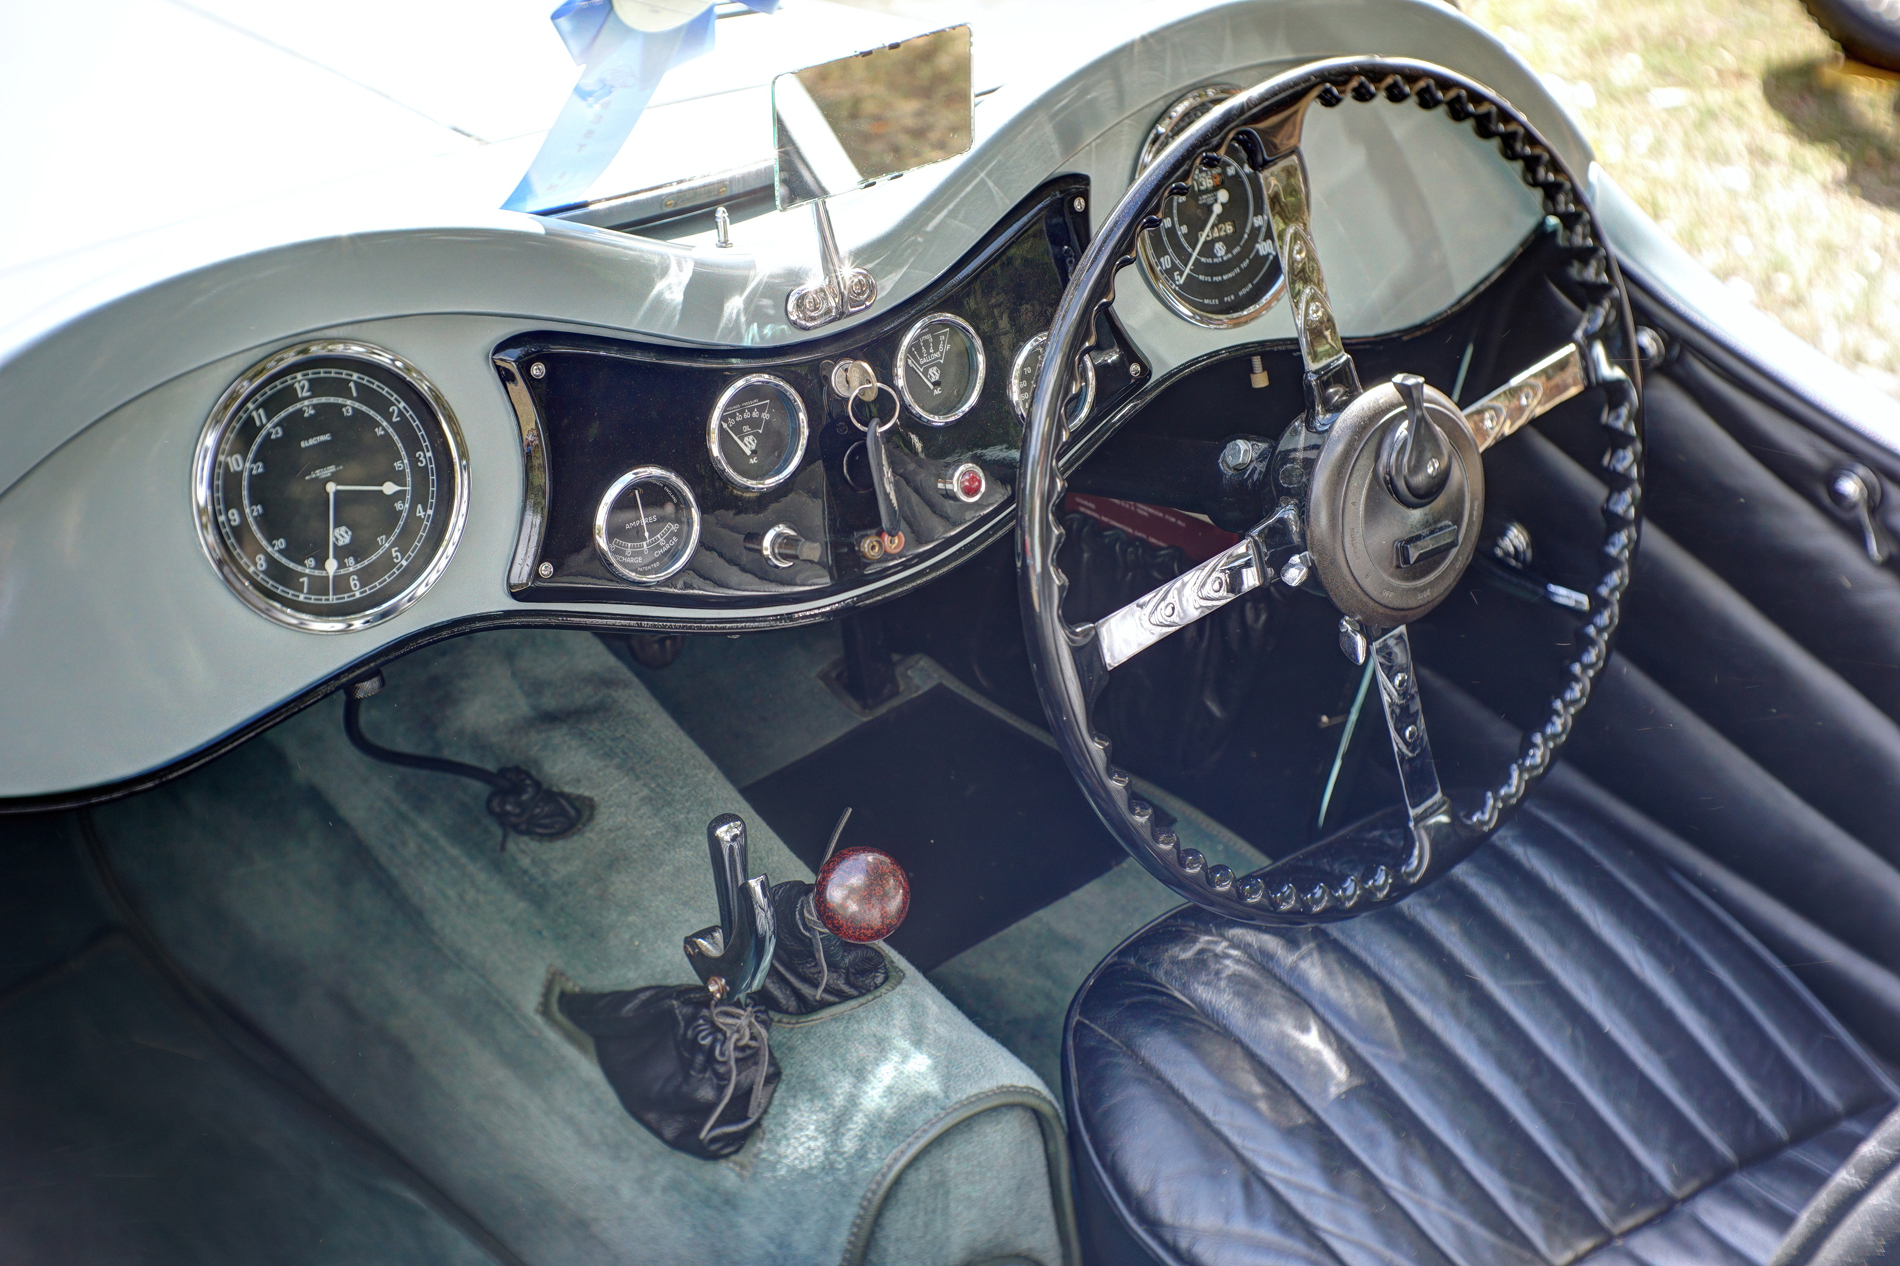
x: 844, y: 124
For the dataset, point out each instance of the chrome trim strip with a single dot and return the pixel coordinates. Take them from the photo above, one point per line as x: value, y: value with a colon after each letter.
x: 1531, y: 394
x: 1195, y: 593
x: 1289, y: 210
x: 534, y: 475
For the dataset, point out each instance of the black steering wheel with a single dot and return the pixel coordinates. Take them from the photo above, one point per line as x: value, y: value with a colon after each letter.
x: 1374, y: 494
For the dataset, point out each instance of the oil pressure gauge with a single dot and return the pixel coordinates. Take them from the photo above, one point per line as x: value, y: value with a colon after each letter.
x: 757, y: 431
x: 647, y: 526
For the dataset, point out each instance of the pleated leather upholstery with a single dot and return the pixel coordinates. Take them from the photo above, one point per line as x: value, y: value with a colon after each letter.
x: 1559, y: 1052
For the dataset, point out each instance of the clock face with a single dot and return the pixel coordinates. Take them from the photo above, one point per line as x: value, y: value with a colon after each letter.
x: 330, y: 487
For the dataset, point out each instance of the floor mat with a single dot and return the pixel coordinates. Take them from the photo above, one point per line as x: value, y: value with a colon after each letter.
x: 996, y: 832
x: 130, y: 1136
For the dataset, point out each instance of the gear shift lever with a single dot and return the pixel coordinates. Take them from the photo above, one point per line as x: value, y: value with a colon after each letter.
x: 732, y: 958
x: 694, y: 1063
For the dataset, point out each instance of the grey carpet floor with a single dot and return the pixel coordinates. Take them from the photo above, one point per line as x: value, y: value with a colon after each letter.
x: 130, y: 1135
x: 368, y: 919
x: 757, y: 703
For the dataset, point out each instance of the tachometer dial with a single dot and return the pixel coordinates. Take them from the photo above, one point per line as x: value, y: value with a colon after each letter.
x: 940, y: 368
x: 647, y: 526
x: 1212, y: 258
x: 756, y: 433
x: 330, y: 486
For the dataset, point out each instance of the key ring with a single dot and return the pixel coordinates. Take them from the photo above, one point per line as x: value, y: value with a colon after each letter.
x: 897, y: 411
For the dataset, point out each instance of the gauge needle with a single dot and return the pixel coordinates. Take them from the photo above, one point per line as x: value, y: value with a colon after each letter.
x: 1220, y: 200
x: 646, y: 534
x: 329, y: 564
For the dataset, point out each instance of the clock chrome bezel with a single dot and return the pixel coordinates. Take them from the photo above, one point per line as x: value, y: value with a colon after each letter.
x: 229, y: 409
x: 791, y: 463
x: 639, y: 474
x: 1019, y: 399
x: 977, y: 376
x: 1160, y: 136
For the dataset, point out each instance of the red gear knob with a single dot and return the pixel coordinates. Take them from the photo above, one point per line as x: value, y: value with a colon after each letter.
x: 862, y: 894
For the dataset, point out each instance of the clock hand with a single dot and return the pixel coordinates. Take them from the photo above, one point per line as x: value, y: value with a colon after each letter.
x: 329, y: 564
x: 384, y: 488
x: 1220, y: 200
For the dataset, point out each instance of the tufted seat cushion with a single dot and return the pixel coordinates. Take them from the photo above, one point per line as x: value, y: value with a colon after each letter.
x: 1558, y: 1053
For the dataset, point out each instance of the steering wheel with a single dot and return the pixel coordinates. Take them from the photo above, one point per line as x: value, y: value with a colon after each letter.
x: 1374, y: 494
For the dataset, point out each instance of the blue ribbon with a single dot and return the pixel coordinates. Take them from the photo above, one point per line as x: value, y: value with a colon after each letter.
x: 621, y: 67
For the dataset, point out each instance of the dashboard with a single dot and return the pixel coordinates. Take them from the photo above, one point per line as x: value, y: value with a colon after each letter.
x: 246, y: 463
x: 710, y: 484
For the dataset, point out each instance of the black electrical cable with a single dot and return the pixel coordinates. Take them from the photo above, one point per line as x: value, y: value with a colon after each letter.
x: 518, y: 800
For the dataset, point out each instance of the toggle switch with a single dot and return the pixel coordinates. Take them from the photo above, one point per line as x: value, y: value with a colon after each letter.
x: 784, y: 547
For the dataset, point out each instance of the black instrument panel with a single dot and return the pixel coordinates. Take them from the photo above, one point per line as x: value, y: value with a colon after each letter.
x: 771, y: 463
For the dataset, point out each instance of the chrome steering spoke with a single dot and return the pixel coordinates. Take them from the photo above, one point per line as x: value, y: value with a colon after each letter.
x: 1551, y: 381
x: 1425, y: 802
x: 1330, y: 370
x: 1196, y: 593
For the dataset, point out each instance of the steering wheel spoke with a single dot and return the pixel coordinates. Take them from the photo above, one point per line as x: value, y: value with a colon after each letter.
x: 1329, y: 367
x: 1411, y: 746
x: 1533, y: 393
x: 1196, y: 593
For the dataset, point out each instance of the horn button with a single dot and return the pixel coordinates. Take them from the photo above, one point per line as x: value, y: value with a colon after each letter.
x: 1397, y: 498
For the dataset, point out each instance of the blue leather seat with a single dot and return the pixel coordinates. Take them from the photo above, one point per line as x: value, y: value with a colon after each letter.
x: 1558, y: 1053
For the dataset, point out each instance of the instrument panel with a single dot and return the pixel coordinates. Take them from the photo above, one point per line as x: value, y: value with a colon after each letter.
x: 715, y: 481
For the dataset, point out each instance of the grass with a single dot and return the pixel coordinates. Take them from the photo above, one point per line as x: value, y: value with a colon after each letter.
x: 1728, y: 121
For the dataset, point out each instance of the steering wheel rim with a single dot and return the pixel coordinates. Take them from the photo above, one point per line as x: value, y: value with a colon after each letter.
x: 1396, y: 853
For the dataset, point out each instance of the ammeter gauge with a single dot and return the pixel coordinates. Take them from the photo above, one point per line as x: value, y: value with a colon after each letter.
x: 647, y: 526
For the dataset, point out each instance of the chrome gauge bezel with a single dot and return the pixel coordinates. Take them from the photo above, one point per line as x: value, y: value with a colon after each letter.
x: 229, y: 411
x: 977, y: 371
x: 1160, y: 136
x: 1019, y: 392
x: 800, y: 423
x: 643, y: 474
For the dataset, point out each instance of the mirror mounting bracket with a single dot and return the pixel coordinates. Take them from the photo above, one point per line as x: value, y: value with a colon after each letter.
x: 840, y: 293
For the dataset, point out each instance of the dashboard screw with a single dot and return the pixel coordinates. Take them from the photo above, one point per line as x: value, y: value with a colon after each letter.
x: 1134, y: 369
x: 1080, y: 205
x: 537, y: 370
x: 545, y: 571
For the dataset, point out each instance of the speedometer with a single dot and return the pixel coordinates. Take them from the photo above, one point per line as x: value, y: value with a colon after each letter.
x: 330, y: 486
x: 1212, y: 258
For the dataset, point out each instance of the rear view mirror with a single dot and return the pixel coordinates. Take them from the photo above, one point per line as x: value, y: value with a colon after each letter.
x: 848, y: 123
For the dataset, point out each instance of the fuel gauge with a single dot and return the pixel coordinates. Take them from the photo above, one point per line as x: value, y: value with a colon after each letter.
x: 940, y: 368
x: 647, y: 526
